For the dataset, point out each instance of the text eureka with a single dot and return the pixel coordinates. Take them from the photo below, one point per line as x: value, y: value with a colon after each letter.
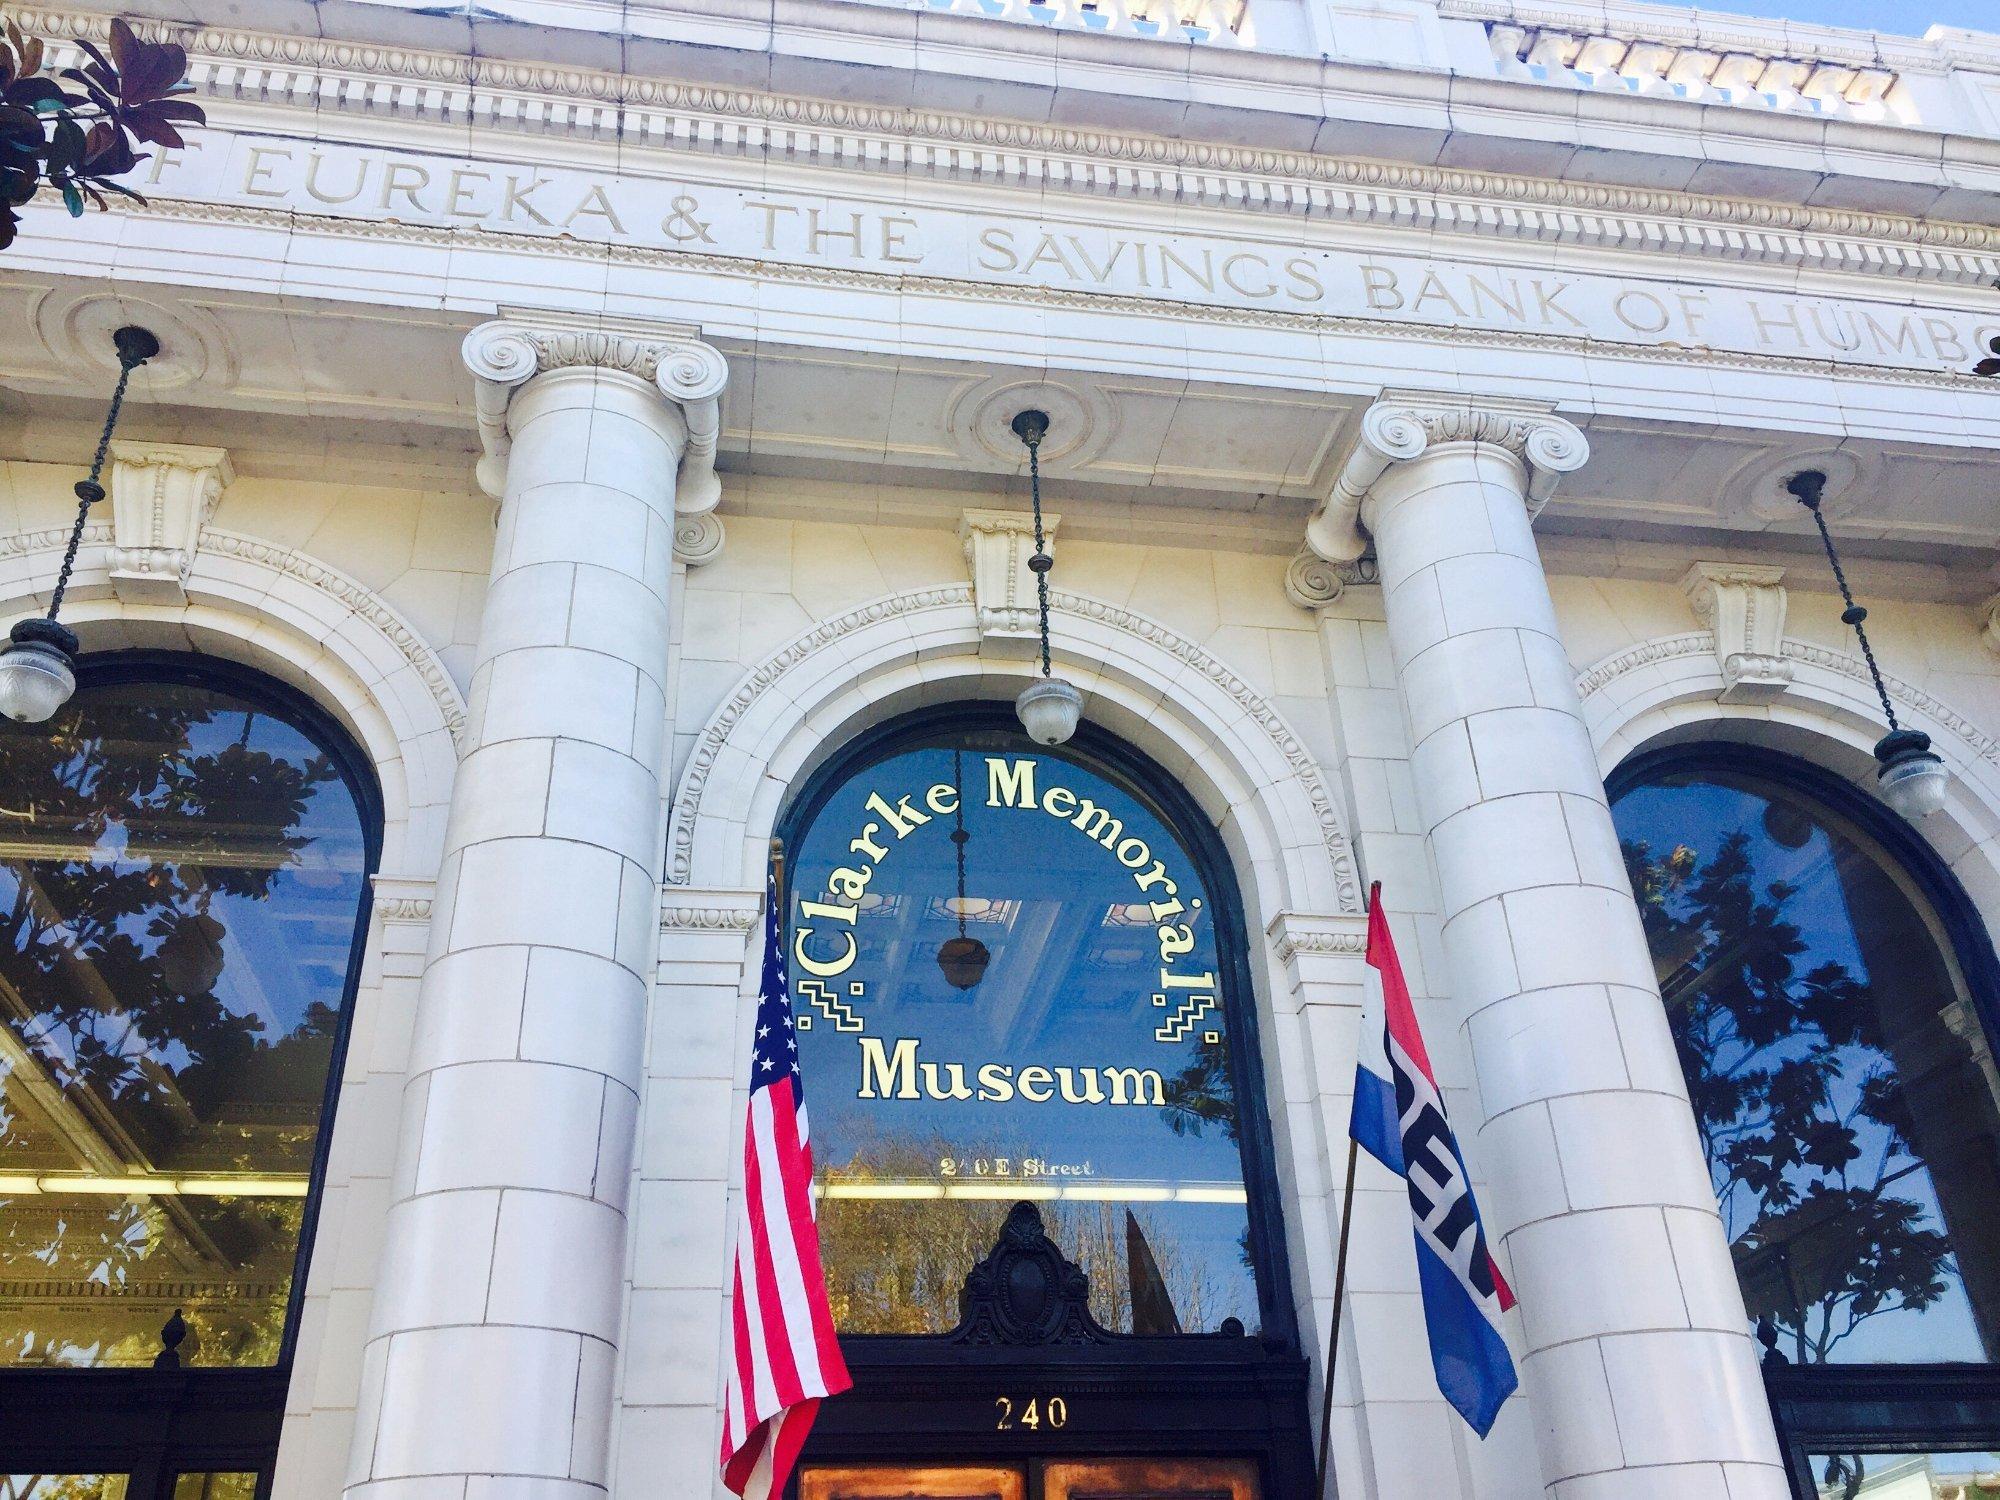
x: 892, y: 1069
x: 330, y: 178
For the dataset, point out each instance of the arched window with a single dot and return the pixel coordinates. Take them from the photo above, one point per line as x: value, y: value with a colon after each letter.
x: 1019, y: 975
x: 184, y: 858
x: 1830, y: 992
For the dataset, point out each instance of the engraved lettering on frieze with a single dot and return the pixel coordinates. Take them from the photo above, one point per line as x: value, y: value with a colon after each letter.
x: 1317, y: 273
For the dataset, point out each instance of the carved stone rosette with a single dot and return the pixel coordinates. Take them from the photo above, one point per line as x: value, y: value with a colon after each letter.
x: 1404, y: 426
x: 162, y: 495
x: 1744, y: 604
x: 509, y: 352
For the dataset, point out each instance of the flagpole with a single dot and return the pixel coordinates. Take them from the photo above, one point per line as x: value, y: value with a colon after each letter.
x: 778, y: 872
x: 1339, y: 1292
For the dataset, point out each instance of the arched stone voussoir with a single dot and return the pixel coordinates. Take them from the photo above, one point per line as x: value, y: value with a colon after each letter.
x: 1142, y: 680
x: 281, y: 611
x: 1663, y: 690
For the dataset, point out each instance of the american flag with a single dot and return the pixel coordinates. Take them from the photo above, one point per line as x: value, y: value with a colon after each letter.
x: 784, y: 1356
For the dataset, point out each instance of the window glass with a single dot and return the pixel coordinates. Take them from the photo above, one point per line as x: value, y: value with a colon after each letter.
x: 239, y: 1485
x: 1841, y: 1076
x: 1006, y: 973
x: 181, y: 869
x: 1906, y: 1476
x: 63, y: 1486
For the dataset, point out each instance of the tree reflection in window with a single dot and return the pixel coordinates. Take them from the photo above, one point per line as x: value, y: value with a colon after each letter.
x: 182, y: 867
x: 1840, y: 1075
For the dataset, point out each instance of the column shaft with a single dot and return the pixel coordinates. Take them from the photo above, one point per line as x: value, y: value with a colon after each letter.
x: 496, y: 1315
x: 1638, y: 1358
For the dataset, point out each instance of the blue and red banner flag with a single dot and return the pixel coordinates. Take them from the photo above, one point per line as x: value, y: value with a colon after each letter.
x: 1399, y: 1119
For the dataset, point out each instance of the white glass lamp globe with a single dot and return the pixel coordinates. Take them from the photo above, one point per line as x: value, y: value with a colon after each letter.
x: 1910, y: 775
x: 1049, y: 710
x: 36, y: 675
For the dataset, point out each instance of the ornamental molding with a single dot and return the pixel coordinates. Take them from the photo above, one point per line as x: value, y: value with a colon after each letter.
x: 688, y: 910
x: 404, y: 902
x: 1975, y: 742
x: 1340, y: 935
x: 1744, y: 605
x: 768, y: 674
x: 328, y: 78
x: 1058, y: 298
x: 360, y: 600
x: 998, y: 544
x: 1405, y: 425
x: 162, y: 495
x: 352, y: 597
x: 508, y: 352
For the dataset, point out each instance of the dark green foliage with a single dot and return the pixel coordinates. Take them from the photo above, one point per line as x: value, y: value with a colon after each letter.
x: 80, y: 134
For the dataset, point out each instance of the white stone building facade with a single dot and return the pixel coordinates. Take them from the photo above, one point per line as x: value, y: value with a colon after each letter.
x: 600, y: 413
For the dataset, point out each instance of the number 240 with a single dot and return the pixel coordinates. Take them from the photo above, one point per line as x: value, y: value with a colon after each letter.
x: 1053, y: 1410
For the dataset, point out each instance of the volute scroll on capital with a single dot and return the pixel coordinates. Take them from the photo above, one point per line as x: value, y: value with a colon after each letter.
x: 507, y: 353
x: 1400, y: 428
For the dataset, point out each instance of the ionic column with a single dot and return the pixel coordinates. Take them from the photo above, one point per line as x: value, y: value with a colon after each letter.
x: 496, y: 1312
x: 1637, y: 1356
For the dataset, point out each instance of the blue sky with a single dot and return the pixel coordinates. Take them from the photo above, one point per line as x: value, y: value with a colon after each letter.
x: 1912, y: 17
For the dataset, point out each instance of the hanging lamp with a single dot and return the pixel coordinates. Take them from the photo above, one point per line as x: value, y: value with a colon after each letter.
x: 1050, y: 707
x: 38, y: 665
x: 1909, y: 774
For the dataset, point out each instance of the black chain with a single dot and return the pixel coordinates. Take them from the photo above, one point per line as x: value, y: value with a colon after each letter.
x: 91, y: 490
x: 959, y: 837
x: 1808, y: 496
x: 1041, y: 562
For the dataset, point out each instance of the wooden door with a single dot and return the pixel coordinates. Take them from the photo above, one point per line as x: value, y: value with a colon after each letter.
x: 939, y: 1483
x: 1150, y: 1479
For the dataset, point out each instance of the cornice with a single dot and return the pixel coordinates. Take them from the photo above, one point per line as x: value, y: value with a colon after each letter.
x: 323, y: 78
x: 474, y: 237
x: 1712, y: 31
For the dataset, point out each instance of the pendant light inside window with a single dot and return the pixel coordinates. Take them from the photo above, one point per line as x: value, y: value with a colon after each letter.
x: 963, y: 958
x: 1051, y: 707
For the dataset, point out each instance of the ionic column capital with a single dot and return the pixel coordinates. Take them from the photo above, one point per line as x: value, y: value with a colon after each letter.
x: 1405, y: 425
x: 508, y: 352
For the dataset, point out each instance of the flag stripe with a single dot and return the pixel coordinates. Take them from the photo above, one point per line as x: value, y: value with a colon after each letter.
x: 784, y: 1351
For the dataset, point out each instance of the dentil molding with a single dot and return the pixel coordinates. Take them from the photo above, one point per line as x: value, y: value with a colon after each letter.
x: 162, y: 495
x: 507, y: 353
x: 325, y: 78
x: 1404, y: 425
x: 1744, y: 605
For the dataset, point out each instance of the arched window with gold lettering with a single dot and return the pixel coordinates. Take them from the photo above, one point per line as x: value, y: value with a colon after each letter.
x: 1010, y: 986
